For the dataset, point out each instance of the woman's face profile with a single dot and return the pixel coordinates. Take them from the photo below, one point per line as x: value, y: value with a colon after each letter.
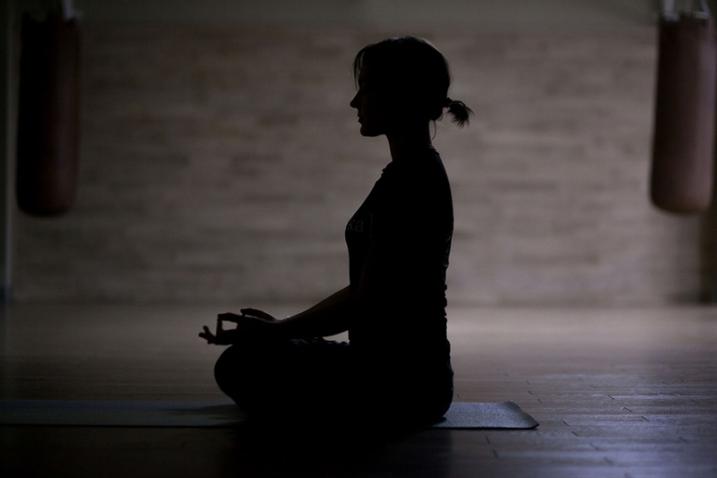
x: 371, y: 109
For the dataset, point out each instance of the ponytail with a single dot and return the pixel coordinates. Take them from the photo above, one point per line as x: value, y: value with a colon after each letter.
x: 460, y: 112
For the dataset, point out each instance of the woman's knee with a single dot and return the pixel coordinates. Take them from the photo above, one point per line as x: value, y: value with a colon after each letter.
x: 242, y: 367
x: 234, y: 367
x: 225, y: 368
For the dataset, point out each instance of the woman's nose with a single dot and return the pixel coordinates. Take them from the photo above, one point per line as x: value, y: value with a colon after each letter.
x: 353, y: 103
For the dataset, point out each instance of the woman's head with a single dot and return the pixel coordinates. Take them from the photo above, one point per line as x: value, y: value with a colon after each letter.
x: 402, y: 81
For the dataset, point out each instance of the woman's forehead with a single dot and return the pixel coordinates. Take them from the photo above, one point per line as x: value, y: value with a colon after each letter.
x: 365, y: 74
x: 362, y: 74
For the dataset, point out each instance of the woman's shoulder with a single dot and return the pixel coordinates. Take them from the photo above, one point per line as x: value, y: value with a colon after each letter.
x: 415, y: 187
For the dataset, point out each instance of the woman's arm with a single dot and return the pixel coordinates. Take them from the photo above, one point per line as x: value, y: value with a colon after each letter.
x: 329, y: 317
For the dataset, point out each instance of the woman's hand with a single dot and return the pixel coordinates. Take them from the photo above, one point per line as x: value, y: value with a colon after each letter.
x: 223, y: 337
x: 253, y: 323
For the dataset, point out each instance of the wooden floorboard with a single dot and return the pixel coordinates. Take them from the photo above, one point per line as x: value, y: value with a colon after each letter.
x: 618, y: 393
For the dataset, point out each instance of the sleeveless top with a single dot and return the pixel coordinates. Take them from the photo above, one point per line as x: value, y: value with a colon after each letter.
x: 400, y: 237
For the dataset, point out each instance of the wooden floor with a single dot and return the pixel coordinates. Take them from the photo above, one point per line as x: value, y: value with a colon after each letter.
x: 617, y: 392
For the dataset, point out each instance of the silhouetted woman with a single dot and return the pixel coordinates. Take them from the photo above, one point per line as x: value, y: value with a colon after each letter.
x: 396, y: 368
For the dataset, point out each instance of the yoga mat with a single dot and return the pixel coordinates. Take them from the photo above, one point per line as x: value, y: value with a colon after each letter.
x: 216, y: 413
x: 507, y: 415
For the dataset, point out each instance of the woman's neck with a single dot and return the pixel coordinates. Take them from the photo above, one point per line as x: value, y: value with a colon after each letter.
x: 405, y: 143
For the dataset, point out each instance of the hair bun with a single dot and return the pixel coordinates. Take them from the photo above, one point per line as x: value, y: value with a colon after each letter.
x: 460, y: 112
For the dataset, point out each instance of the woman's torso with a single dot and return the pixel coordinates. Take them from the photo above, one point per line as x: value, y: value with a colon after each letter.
x: 404, y: 229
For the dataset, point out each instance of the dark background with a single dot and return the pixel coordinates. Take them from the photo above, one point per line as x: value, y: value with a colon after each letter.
x: 220, y: 160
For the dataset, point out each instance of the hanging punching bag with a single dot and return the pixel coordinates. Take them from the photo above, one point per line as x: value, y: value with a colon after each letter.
x: 681, y: 176
x: 48, y: 115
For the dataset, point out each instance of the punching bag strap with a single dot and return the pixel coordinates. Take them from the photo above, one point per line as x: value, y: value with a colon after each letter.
x: 68, y: 10
x: 670, y: 12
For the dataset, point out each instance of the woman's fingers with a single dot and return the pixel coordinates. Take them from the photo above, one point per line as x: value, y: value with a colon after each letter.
x: 227, y: 316
x: 257, y: 313
x: 252, y: 322
x: 207, y: 335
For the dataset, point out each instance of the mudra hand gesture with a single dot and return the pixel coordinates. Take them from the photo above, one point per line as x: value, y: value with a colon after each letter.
x: 252, y: 323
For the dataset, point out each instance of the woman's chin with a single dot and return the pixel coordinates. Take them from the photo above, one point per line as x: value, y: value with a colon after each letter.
x: 365, y: 131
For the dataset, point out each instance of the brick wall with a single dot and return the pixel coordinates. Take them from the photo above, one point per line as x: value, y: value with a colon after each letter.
x: 221, y: 164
